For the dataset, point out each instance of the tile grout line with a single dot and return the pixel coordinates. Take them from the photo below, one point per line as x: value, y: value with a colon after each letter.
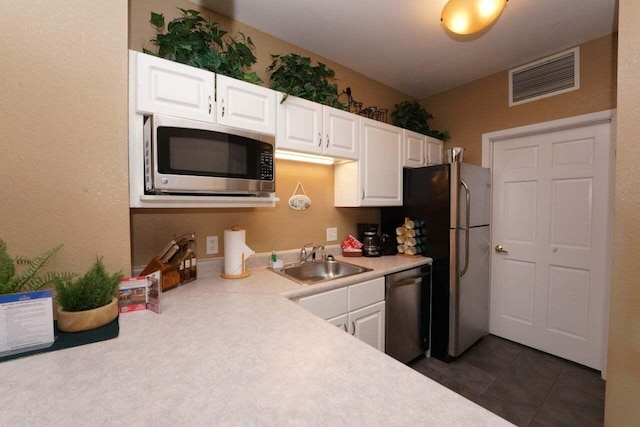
x: 547, y: 396
x: 501, y: 372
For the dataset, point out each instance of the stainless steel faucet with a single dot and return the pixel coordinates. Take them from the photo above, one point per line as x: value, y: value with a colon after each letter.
x: 304, y: 256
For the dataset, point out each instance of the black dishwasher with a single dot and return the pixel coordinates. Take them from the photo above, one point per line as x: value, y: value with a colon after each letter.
x: 408, y: 313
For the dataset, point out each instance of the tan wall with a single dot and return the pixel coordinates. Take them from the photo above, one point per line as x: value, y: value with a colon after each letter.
x: 63, y: 131
x: 482, y: 106
x: 267, y: 229
x: 623, y: 362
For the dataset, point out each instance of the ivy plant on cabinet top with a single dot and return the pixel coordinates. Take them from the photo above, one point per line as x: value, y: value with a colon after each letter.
x: 193, y: 40
x: 294, y: 75
x: 411, y: 115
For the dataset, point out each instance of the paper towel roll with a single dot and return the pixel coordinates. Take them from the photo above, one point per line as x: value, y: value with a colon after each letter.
x: 234, y: 248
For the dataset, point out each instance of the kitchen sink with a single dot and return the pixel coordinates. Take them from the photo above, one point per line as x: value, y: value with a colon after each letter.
x: 319, y: 271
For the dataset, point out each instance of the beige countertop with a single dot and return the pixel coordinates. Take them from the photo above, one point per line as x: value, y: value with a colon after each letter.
x: 231, y: 352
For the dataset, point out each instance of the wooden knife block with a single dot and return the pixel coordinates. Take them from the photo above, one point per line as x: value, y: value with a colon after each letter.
x: 169, y: 273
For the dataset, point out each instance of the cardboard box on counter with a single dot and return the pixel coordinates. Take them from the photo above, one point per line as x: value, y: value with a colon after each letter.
x: 140, y: 293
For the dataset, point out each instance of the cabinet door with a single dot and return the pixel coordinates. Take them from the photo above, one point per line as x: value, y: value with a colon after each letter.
x: 415, y: 153
x: 340, y: 321
x: 367, y: 324
x: 380, y: 163
x: 246, y: 106
x: 299, y: 125
x: 174, y: 89
x: 340, y: 133
x: 327, y: 304
x: 434, y: 151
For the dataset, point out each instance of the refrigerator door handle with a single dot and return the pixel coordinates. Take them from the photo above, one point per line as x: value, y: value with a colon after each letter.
x: 466, y: 228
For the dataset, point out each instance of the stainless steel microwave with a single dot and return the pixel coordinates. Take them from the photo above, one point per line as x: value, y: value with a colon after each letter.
x: 190, y: 157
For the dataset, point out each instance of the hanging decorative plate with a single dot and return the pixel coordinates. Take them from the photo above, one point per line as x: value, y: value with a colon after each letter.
x: 299, y: 202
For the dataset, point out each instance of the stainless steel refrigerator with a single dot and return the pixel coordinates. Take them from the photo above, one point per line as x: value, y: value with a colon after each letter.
x: 453, y: 201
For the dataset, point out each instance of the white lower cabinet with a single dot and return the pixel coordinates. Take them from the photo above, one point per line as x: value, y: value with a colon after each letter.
x: 357, y: 309
x: 340, y: 321
x: 367, y: 324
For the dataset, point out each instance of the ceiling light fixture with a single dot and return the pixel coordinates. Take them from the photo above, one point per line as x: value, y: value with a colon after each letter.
x: 302, y: 157
x: 470, y: 16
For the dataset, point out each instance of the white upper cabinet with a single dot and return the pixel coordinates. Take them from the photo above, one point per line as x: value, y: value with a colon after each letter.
x: 341, y: 133
x: 309, y: 127
x: 376, y: 179
x: 299, y: 125
x: 421, y: 150
x: 434, y: 151
x: 246, y: 106
x: 174, y: 89
x: 415, y: 149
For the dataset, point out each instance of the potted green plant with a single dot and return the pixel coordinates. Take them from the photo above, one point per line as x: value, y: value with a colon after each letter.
x: 412, y: 116
x: 28, y: 280
x: 294, y: 75
x: 193, y: 40
x: 87, y: 302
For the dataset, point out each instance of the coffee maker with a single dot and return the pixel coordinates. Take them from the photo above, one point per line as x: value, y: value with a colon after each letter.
x: 375, y: 245
x: 368, y: 236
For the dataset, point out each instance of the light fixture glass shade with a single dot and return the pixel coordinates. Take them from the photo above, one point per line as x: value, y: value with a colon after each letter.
x: 471, y: 16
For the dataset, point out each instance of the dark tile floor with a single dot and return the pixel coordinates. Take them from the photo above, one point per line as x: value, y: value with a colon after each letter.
x: 523, y: 385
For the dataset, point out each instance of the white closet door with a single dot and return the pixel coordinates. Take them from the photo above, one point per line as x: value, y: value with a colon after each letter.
x: 551, y: 216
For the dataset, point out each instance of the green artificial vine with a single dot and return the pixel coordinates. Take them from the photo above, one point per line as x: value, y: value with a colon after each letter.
x: 411, y: 115
x: 95, y: 289
x: 193, y: 40
x: 28, y: 280
x: 294, y: 75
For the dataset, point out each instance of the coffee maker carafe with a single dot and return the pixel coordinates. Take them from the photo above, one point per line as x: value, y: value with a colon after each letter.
x: 371, y: 244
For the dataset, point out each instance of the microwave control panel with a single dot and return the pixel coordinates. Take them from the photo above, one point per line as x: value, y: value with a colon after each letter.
x: 266, y: 165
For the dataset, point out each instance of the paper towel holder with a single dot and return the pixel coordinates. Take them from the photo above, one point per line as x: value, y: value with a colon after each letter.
x: 245, y: 272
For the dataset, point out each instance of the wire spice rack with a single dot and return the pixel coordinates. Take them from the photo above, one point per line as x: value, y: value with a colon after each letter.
x: 372, y: 112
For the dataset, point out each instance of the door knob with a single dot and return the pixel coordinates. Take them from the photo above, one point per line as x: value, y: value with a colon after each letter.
x: 501, y: 250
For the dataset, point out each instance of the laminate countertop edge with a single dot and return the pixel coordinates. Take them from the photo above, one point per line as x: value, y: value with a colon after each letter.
x: 231, y: 352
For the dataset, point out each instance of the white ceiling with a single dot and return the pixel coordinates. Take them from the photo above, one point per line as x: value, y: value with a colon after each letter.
x: 402, y: 44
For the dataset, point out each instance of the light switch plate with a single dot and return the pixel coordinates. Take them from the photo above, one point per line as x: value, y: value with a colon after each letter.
x: 332, y: 234
x: 212, y: 245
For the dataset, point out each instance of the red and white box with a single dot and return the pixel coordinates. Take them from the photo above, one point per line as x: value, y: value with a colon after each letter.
x: 140, y: 293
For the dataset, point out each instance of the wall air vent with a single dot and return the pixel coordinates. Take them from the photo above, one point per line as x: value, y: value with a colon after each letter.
x: 549, y: 76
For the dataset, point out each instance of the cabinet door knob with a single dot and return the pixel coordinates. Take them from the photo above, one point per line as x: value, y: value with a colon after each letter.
x: 344, y: 325
x: 210, y: 104
x: 319, y: 139
x: 353, y: 325
x: 222, y: 107
x: 363, y: 194
x: 327, y: 141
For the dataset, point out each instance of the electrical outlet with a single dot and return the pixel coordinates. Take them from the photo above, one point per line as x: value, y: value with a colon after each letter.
x: 332, y: 234
x: 212, y: 245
